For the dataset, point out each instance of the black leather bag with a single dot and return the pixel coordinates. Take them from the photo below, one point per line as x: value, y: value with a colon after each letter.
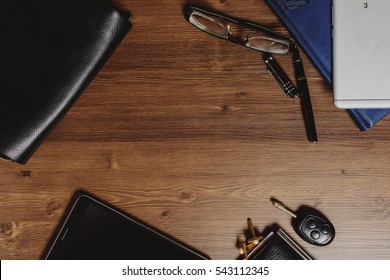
x: 49, y: 52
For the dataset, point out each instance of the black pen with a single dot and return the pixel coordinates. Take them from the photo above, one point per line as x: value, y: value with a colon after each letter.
x: 289, y: 90
x: 280, y: 76
x: 303, y: 90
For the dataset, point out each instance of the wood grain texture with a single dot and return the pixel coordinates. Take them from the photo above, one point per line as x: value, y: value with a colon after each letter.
x: 191, y: 135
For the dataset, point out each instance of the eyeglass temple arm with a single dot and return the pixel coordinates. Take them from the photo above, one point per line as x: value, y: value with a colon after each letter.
x: 303, y: 91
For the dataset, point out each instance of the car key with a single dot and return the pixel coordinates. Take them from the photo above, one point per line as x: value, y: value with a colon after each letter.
x: 310, y: 224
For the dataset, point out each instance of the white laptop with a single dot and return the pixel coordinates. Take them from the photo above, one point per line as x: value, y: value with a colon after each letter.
x: 361, y: 53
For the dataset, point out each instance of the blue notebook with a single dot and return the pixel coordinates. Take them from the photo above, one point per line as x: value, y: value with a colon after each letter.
x: 310, y: 24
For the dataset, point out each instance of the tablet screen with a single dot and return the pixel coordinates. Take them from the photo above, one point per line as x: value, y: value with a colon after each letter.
x: 94, y: 230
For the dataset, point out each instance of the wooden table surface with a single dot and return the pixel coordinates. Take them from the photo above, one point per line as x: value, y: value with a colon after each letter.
x: 190, y: 134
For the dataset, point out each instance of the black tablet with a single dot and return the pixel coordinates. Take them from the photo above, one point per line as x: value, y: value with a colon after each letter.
x: 96, y: 231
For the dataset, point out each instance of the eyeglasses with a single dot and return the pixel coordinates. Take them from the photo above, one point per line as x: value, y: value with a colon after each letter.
x: 262, y: 39
x: 244, y: 33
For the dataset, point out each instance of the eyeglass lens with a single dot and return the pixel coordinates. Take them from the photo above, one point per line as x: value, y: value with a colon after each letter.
x: 251, y: 38
x: 210, y: 25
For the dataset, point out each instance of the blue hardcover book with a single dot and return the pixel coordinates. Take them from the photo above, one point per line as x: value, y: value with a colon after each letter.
x: 310, y: 24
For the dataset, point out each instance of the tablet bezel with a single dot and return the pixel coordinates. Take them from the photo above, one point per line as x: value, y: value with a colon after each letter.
x: 76, y: 214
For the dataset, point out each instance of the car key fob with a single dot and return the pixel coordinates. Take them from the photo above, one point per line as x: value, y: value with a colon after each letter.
x: 311, y: 225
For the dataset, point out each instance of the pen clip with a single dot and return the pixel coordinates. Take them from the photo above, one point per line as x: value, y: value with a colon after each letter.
x: 280, y: 77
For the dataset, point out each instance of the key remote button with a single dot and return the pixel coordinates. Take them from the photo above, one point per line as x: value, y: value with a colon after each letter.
x: 315, y: 234
x: 325, y: 229
x: 312, y: 223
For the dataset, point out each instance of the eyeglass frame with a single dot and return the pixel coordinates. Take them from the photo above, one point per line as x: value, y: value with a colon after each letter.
x: 188, y: 10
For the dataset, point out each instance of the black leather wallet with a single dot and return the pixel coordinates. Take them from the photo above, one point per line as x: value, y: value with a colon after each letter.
x: 277, y: 245
x: 50, y: 51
